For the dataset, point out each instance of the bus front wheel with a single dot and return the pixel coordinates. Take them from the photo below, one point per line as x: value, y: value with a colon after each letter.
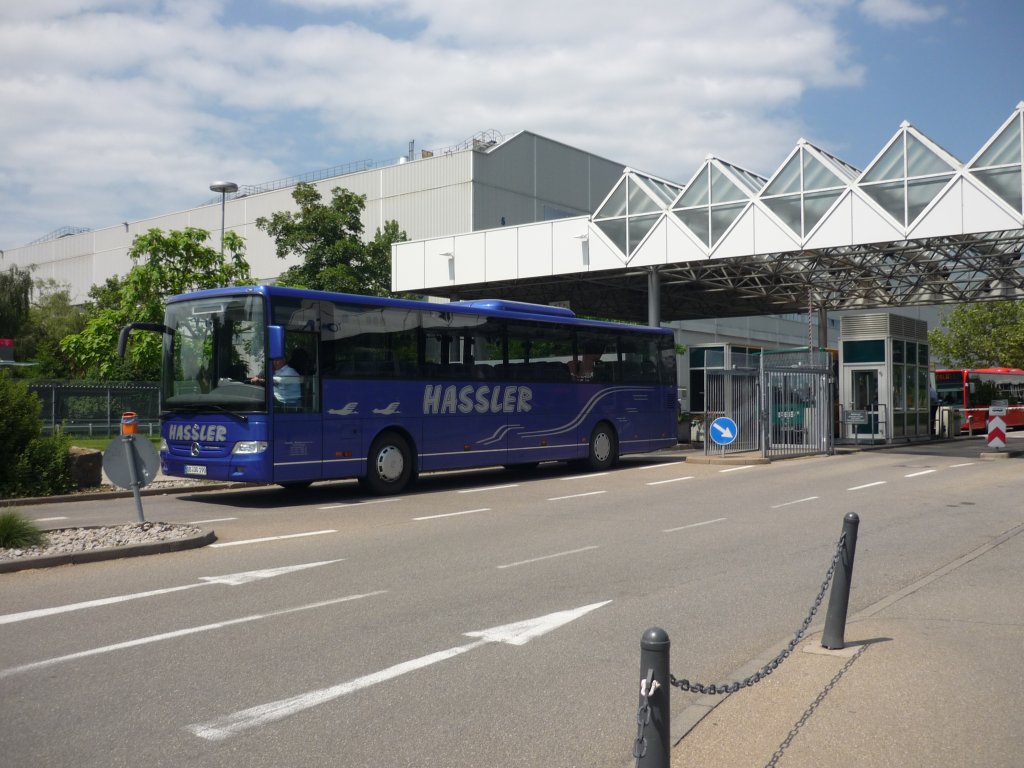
x: 604, y: 447
x: 389, y: 465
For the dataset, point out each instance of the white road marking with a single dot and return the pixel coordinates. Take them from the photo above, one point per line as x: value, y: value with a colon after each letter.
x: 661, y: 464
x: 736, y: 469
x: 49, y: 519
x: 922, y: 472
x: 968, y: 464
x: 272, y: 538
x: 577, y: 495
x: 212, y: 520
x: 489, y: 488
x: 231, y: 579
x: 363, y: 503
x: 866, y: 485
x: 673, y: 480
x: 790, y: 503
x: 176, y: 633
x: 583, y: 477
x: 452, y: 514
x: 11, y: 618
x: 518, y: 633
x: 546, y: 557
x: 695, y: 525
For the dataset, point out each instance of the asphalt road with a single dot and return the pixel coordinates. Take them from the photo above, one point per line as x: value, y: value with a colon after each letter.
x: 330, y: 628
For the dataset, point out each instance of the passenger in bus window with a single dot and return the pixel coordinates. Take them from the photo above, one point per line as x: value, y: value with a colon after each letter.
x: 286, y: 383
x: 587, y: 368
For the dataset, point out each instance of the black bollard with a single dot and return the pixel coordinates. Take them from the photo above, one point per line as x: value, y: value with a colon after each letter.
x: 654, y: 651
x: 839, y: 601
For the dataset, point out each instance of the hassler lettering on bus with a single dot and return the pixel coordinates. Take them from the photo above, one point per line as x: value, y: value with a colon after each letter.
x: 440, y: 399
x: 208, y: 433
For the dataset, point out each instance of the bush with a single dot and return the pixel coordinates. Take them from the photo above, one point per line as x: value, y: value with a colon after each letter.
x: 30, y: 465
x: 18, y: 532
x: 43, y: 468
x: 19, y: 425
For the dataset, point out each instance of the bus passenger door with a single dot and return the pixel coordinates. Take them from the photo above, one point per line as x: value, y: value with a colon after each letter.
x: 298, y: 423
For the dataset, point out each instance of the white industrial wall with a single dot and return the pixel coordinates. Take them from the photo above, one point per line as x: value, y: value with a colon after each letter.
x: 523, y: 179
x: 534, y: 178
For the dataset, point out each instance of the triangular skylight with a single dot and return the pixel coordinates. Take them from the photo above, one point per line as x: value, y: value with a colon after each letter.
x: 697, y: 192
x: 640, y: 201
x: 1005, y: 148
x: 908, y: 175
x: 803, y: 190
x: 999, y: 166
x: 615, y: 205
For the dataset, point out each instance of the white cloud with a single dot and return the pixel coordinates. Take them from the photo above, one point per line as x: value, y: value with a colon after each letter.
x: 127, y: 109
x: 897, y: 12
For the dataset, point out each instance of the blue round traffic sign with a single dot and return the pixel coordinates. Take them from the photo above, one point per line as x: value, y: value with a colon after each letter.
x: 723, y: 430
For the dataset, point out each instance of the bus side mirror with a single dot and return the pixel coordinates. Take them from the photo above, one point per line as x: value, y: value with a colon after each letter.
x: 275, y: 341
x: 970, y: 387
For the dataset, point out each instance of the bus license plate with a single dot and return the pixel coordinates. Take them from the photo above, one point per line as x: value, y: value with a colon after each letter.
x: 193, y: 469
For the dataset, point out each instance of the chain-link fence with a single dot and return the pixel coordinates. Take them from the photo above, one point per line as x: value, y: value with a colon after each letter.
x: 94, y: 409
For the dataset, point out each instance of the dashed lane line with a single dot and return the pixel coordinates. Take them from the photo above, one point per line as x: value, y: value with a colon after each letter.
x: 177, y: 633
x: 866, y: 485
x: 272, y: 538
x: 489, y: 488
x: 791, y: 503
x: 452, y: 514
x: 695, y: 525
x: 577, y: 496
x: 545, y: 557
x: 673, y: 480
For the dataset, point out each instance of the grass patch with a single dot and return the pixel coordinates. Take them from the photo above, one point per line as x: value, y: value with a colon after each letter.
x: 101, y: 443
x: 18, y: 532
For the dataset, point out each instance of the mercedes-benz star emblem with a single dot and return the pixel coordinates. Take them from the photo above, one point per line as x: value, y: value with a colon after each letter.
x: 195, y: 449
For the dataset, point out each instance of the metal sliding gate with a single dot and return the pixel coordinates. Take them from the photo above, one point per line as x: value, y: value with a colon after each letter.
x: 732, y: 394
x: 783, y: 408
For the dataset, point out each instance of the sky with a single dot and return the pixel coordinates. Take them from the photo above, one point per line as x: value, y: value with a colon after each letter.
x: 120, y: 110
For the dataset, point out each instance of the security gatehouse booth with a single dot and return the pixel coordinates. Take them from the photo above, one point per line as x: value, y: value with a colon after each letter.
x: 884, y: 392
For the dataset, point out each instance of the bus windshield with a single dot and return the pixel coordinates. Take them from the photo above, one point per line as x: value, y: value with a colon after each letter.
x: 214, y: 355
x: 949, y: 386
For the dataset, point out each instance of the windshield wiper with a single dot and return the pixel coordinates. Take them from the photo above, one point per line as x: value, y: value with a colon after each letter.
x: 197, y: 407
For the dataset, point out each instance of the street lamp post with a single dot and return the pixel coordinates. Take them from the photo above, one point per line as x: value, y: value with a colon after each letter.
x: 223, y: 187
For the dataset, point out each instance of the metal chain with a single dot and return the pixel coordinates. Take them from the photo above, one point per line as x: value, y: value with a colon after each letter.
x: 643, y: 716
x: 772, y: 665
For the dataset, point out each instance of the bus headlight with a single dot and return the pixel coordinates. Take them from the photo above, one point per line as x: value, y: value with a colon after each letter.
x: 249, y: 447
x: 163, y: 445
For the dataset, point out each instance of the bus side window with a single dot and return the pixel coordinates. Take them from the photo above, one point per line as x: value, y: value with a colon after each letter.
x: 301, y: 349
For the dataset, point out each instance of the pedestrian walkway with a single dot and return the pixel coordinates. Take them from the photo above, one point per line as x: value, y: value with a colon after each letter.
x: 932, y: 676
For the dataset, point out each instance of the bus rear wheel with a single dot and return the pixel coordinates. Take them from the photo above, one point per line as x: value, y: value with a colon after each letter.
x: 389, y: 465
x: 604, y: 447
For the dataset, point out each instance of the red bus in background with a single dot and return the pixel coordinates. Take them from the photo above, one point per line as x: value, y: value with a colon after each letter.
x: 974, y: 389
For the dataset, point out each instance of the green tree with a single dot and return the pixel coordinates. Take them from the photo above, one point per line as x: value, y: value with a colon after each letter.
x: 984, y: 334
x: 329, y: 238
x: 51, y: 317
x: 166, y: 264
x: 15, y: 288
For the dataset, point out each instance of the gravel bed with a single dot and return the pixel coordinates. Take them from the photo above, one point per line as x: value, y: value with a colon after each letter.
x: 67, y: 540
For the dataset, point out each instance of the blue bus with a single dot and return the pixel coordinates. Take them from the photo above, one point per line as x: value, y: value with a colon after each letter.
x: 281, y: 385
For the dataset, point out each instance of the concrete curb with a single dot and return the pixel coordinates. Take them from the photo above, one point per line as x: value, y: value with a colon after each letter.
x: 109, y: 553
x: 103, y: 495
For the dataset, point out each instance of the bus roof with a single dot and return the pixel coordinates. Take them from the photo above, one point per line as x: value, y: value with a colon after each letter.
x: 517, y: 310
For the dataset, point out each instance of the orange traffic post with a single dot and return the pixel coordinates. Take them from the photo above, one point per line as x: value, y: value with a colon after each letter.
x: 129, y: 422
